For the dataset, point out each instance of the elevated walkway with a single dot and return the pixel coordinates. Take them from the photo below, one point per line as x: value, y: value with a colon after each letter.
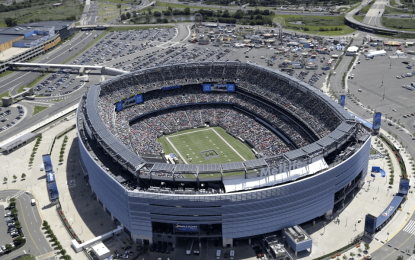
x: 103, y: 70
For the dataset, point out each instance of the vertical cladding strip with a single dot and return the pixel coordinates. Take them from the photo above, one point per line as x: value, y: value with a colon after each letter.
x: 110, y: 193
x: 140, y: 223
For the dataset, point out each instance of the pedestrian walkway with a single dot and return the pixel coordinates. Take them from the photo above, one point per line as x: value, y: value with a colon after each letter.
x: 15, y: 195
x: 410, y: 227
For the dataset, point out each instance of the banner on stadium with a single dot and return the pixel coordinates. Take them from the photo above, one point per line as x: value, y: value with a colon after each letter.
x: 219, y: 87
x: 342, y: 100
x: 230, y: 87
x: 376, y: 121
x: 128, y: 102
x: 118, y: 106
x: 207, y: 87
x: 139, y: 98
x: 186, y: 228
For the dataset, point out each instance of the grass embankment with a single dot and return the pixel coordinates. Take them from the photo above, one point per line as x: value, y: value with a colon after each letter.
x: 182, y: 6
x: 366, y: 8
x: 320, y: 25
x: 6, y: 73
x: 138, y: 27
x: 359, y: 18
x: 38, y: 109
x: 402, y: 24
x: 108, y: 12
x: 393, y: 3
x: 390, y: 10
x: 122, y: 1
x: 42, y: 10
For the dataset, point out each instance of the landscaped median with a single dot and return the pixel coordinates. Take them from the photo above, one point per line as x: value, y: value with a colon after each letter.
x: 55, y: 240
x: 67, y: 224
x: 397, y: 155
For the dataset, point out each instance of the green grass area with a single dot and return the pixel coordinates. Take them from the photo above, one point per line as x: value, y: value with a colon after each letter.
x: 108, y: 12
x: 6, y: 73
x: 27, y: 257
x: 342, y: 9
x: 194, y: 141
x: 352, y: 8
x: 57, y: 100
x: 43, y: 11
x: 405, y: 24
x: 393, y: 3
x: 372, y: 151
x: 366, y: 8
x: 359, y: 18
x: 166, y: 5
x: 390, y: 10
x: 38, y: 109
x: 320, y: 25
x: 121, y: 1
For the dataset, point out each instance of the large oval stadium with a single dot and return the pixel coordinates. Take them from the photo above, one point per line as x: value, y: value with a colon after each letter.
x: 220, y: 150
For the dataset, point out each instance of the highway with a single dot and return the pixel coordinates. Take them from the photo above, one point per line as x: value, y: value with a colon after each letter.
x: 373, y: 16
x: 29, y: 217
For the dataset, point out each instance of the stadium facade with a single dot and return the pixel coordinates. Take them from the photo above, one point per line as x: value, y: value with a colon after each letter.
x: 275, y: 192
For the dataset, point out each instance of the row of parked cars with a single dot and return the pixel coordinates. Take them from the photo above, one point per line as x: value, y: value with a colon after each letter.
x: 7, y: 112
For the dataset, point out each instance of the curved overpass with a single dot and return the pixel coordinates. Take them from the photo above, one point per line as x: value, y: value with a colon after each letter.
x: 349, y: 20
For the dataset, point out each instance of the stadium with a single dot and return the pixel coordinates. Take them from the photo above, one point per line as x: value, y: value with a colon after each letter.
x: 217, y: 150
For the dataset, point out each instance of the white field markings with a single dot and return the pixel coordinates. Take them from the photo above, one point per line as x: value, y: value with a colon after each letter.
x: 177, y: 151
x: 230, y: 146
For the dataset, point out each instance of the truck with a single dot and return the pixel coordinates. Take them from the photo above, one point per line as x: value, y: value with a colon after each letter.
x: 408, y: 87
x: 189, y: 246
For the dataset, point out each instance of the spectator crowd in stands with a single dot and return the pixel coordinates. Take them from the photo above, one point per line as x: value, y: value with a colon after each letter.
x: 142, y: 135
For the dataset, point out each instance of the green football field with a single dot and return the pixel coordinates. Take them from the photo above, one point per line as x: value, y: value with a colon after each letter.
x: 206, y: 146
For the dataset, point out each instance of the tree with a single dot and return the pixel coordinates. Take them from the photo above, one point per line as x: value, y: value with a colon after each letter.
x: 187, y: 11
x: 9, y: 22
x: 45, y: 223
x: 12, y: 204
x: 399, y: 257
x: 67, y: 257
x: 119, y: 6
x: 23, y: 175
x: 344, y: 257
x: 14, y: 177
x: 4, y: 179
x: 123, y: 17
x: 226, y: 13
x: 352, y: 254
x: 367, y: 247
x: 157, y: 14
x: 63, y: 252
x: 19, y: 241
x: 128, y: 15
x: 8, y: 247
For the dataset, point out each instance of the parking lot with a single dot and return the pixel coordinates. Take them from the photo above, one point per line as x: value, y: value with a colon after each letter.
x: 60, y: 83
x: 10, y: 116
x: 7, y: 229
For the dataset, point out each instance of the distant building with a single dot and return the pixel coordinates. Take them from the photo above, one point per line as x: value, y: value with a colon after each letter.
x: 26, y: 41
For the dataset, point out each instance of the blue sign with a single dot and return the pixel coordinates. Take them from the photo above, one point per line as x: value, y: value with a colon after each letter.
x: 192, y: 228
x: 376, y: 121
x: 139, y: 98
x: 119, y: 106
x: 370, y: 224
x: 171, y: 87
x: 207, y: 88
x: 342, y: 100
x: 230, y: 87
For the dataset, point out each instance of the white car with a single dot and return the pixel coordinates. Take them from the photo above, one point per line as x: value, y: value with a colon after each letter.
x: 28, y: 192
x: 3, y: 248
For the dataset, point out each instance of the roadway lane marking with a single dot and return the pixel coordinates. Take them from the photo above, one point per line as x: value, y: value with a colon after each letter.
x: 24, y: 219
x: 34, y: 214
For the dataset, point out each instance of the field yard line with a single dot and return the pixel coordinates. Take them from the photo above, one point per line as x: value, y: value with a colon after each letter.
x: 190, y: 132
x: 227, y: 143
x: 174, y: 147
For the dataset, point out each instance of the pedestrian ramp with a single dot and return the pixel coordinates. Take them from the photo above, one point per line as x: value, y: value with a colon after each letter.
x: 45, y: 256
x: 410, y: 227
